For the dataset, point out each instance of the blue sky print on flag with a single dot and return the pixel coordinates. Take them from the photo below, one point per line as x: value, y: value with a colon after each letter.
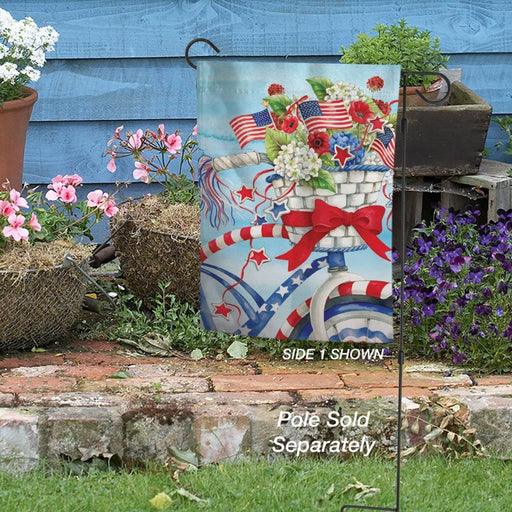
x: 296, y: 187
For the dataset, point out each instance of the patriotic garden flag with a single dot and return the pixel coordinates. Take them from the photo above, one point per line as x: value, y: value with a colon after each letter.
x: 296, y: 188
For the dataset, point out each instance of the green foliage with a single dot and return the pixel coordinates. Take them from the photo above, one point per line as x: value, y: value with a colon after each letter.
x: 410, y: 47
x: 505, y: 123
x: 429, y: 483
x: 170, y: 326
x: 279, y: 103
x: 319, y: 84
x: 274, y: 139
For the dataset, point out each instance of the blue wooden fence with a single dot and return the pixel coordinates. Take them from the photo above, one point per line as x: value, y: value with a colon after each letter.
x: 122, y: 62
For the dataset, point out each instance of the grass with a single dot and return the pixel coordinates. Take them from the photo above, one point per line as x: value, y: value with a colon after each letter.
x: 428, y: 483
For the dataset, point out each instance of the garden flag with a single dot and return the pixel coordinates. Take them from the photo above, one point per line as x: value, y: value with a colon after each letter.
x: 296, y: 188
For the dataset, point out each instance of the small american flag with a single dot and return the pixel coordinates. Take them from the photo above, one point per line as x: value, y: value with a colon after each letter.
x: 319, y: 115
x: 384, y: 145
x: 251, y: 126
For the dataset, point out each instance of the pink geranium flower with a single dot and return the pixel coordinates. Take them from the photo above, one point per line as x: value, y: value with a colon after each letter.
x: 34, y: 223
x: 194, y: 131
x: 111, y: 166
x: 173, y: 143
x: 68, y: 194
x: 110, y: 208
x: 16, y: 200
x: 161, y: 132
x: 72, y: 179
x: 135, y: 139
x: 6, y: 209
x: 96, y: 198
x: 14, y: 229
x: 141, y: 172
x: 116, y: 135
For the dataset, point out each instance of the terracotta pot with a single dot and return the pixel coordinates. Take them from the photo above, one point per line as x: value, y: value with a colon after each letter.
x: 413, y: 100
x: 14, y: 119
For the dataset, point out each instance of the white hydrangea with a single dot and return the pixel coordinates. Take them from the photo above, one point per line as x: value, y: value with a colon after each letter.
x: 372, y: 158
x: 344, y: 91
x: 297, y: 161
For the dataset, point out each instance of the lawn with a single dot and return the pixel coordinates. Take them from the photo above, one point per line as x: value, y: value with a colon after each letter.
x: 428, y: 483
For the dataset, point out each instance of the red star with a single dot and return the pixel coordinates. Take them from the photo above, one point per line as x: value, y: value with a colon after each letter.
x: 258, y: 257
x: 377, y: 125
x: 222, y: 310
x: 343, y: 155
x: 245, y: 193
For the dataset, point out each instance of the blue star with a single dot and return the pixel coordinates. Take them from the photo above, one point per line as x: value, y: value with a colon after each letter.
x: 277, y: 209
x: 259, y: 220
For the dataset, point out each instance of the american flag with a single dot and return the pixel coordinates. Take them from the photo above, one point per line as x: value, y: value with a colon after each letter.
x: 251, y: 126
x: 384, y: 145
x: 319, y: 115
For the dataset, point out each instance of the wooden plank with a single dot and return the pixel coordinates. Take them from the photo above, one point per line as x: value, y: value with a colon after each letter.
x: 134, y: 88
x: 66, y: 148
x: 162, y: 28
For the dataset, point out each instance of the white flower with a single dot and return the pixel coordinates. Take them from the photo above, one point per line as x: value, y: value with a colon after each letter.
x: 297, y: 161
x: 32, y: 73
x: 8, y: 72
x: 347, y: 92
x: 23, y: 46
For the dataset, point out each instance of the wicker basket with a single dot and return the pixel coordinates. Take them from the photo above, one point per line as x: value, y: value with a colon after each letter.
x: 149, y: 257
x: 37, y: 307
x: 355, y: 188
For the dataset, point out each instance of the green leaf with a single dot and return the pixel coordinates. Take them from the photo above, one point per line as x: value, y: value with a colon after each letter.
x: 197, y: 354
x: 187, y: 456
x: 274, y: 139
x: 324, y: 180
x: 189, y: 496
x: 279, y: 103
x: 327, y: 160
x: 121, y: 374
x: 237, y: 350
x: 161, y: 501
x: 319, y: 84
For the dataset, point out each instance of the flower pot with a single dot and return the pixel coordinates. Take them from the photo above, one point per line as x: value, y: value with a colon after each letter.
x: 38, y: 306
x: 14, y: 120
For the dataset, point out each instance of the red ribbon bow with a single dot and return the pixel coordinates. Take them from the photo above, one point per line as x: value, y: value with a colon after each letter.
x: 367, y: 221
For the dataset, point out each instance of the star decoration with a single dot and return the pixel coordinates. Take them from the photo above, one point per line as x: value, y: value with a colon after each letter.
x: 263, y: 308
x: 283, y: 290
x: 222, y: 310
x: 258, y: 257
x: 244, y: 330
x: 297, y: 280
x: 342, y: 155
x: 274, y: 307
x: 377, y: 125
x: 245, y: 193
x: 278, y: 208
x: 259, y: 220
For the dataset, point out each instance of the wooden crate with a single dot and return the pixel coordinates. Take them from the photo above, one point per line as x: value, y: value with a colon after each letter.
x: 445, y: 140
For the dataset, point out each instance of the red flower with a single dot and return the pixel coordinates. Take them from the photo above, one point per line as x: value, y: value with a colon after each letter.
x: 360, y: 112
x: 275, y: 89
x: 375, y: 83
x: 319, y: 141
x: 384, y: 107
x: 290, y: 124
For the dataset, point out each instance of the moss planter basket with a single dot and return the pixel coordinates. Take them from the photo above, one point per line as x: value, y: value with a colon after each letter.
x: 38, y: 306
x: 152, y: 255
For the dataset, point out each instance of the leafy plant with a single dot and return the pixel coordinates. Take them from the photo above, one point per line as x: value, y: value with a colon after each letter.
x: 23, y: 46
x: 169, y: 328
x: 56, y: 214
x: 457, y: 293
x: 153, y: 155
x: 412, y: 48
x: 505, y: 123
